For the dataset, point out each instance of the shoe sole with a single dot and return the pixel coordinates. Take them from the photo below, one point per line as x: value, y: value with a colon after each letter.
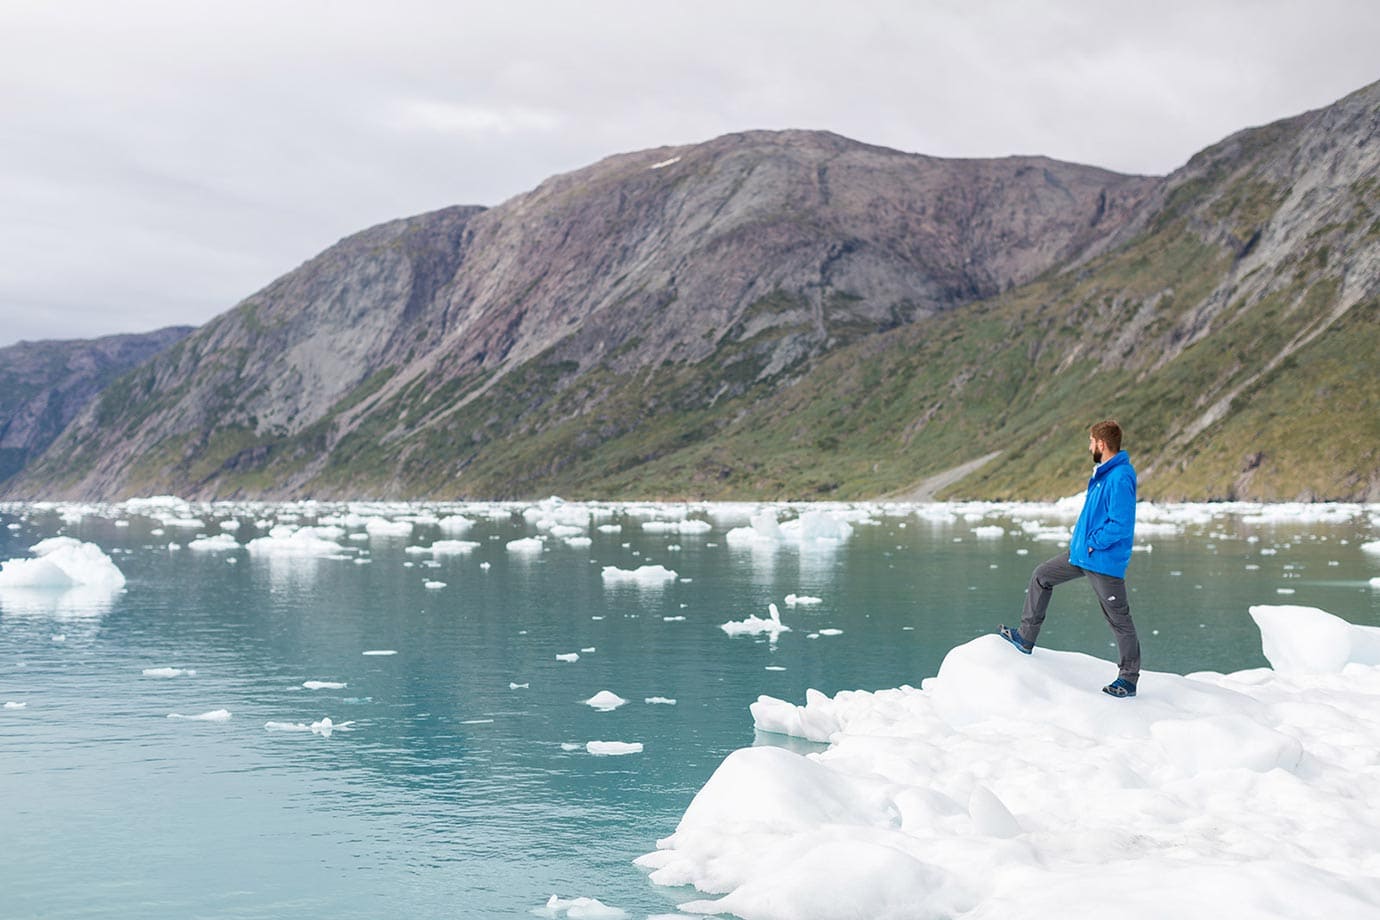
x: 1012, y: 639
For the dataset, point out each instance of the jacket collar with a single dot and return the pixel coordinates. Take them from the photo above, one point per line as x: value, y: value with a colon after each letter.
x: 1117, y: 459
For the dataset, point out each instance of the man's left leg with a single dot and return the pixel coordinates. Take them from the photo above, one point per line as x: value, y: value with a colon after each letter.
x: 1111, y: 595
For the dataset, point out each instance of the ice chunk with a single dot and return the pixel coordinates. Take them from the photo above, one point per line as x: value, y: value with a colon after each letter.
x: 433, y: 585
x: 512, y: 686
x: 526, y: 545
x: 287, y: 541
x: 647, y: 576
x: 605, y: 701
x: 169, y: 672
x: 382, y: 527
x: 689, y: 526
x: 802, y: 600
x: 324, y: 685
x: 568, y: 656
x: 579, y: 909
x: 614, y: 748
x: 380, y: 651
x: 219, y: 543
x: 754, y: 625
x: 660, y: 700
x: 62, y: 562
x: 11, y: 704
x: 1306, y: 640
x: 215, y: 715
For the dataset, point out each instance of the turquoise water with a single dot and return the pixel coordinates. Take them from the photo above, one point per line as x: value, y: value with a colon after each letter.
x: 451, y: 794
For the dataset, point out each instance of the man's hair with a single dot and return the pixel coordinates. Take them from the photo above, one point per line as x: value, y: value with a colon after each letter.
x: 1109, y: 433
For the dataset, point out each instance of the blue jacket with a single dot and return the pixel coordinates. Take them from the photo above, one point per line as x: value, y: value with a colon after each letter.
x: 1106, y: 527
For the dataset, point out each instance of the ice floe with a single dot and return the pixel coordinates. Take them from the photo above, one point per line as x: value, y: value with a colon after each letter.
x: 323, y: 727
x: 579, y: 909
x: 646, y: 576
x: 324, y: 684
x: 219, y: 543
x: 289, y: 541
x: 605, y: 701
x: 1008, y: 786
x: 613, y: 748
x: 169, y: 672
x: 215, y: 715
x: 66, y: 577
x: 771, y: 624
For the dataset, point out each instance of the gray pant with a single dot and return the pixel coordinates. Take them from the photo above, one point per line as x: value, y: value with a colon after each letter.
x: 1111, y: 594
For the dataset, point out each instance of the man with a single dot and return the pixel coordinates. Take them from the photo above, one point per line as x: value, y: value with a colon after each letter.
x: 1100, y: 549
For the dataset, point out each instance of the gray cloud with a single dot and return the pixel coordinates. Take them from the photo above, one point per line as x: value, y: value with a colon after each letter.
x: 161, y: 160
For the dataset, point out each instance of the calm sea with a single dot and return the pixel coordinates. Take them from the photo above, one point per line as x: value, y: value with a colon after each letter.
x: 456, y: 782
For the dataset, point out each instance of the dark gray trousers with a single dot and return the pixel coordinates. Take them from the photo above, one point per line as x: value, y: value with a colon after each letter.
x: 1111, y: 595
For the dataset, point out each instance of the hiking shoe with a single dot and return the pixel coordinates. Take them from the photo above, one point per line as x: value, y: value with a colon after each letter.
x: 1014, y: 637
x: 1120, y: 688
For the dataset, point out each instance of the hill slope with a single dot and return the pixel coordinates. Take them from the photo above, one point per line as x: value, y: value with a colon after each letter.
x: 408, y: 359
x: 794, y: 315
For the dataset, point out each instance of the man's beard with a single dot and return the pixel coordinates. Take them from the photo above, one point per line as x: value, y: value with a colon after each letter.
x: 1096, y: 457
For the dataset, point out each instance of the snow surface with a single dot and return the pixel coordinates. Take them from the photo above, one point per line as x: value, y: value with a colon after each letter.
x: 1009, y: 787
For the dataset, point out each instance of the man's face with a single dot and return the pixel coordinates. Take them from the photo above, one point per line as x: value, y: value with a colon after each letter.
x: 1097, y: 449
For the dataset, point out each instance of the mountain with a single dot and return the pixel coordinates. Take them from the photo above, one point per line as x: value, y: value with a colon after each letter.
x: 796, y: 315
x: 411, y: 358
x: 44, y: 385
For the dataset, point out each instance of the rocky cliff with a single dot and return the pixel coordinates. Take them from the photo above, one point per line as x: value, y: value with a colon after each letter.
x: 44, y: 385
x: 795, y: 315
x: 381, y: 365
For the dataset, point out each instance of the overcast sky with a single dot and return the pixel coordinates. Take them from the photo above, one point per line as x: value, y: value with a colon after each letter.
x: 160, y: 161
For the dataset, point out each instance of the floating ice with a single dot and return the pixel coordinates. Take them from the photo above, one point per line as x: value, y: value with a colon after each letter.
x: 382, y: 527
x: 324, y: 685
x: 380, y: 651
x: 512, y: 686
x: 660, y: 700
x: 579, y: 542
x: 13, y: 705
x: 433, y: 585
x: 219, y: 543
x: 67, y: 578
x: 579, y: 909
x: 526, y: 545
x: 1306, y: 640
x: 287, y: 541
x: 454, y: 525
x: 831, y: 632
x: 568, y: 656
x: 169, y: 672
x: 605, y: 701
x: 802, y: 600
x: 688, y: 526
x: 647, y: 576
x: 989, y: 531
x: 1008, y: 786
x: 324, y: 727
x: 1371, y: 547
x: 755, y: 625
x: 614, y: 748
x: 215, y: 715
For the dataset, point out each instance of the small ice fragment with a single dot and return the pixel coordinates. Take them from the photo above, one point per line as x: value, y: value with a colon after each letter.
x: 588, y: 651
x: 477, y: 722
x: 571, y: 746
x: 774, y: 667
x: 13, y: 705
x: 662, y: 700
x: 215, y: 715
x: 512, y: 686
x: 579, y: 909
x: 568, y: 656
x: 434, y: 585
x: 169, y: 672
x: 673, y: 619
x: 60, y: 638
x: 614, y: 748
x: 802, y: 600
x: 605, y: 701
x: 831, y: 632
x: 323, y: 685
x: 380, y: 651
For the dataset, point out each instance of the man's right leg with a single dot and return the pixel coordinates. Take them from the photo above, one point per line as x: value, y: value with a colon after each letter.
x: 1042, y: 583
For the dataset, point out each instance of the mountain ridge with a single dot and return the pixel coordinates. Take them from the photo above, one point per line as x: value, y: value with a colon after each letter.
x: 721, y: 319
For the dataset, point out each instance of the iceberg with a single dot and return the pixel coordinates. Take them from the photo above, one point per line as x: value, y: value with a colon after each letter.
x: 66, y: 577
x: 646, y: 576
x: 1008, y: 786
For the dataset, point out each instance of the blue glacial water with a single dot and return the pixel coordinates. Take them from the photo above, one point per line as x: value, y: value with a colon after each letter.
x: 452, y: 793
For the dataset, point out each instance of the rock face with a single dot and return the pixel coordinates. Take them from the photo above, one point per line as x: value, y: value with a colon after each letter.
x: 793, y: 314
x: 796, y: 242
x: 44, y: 385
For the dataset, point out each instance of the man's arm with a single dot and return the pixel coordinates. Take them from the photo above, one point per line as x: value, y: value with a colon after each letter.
x: 1120, y: 524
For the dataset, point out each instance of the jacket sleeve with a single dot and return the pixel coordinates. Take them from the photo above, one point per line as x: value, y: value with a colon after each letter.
x: 1120, y: 523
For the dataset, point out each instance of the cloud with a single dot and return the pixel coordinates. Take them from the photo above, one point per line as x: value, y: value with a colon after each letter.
x: 160, y: 161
